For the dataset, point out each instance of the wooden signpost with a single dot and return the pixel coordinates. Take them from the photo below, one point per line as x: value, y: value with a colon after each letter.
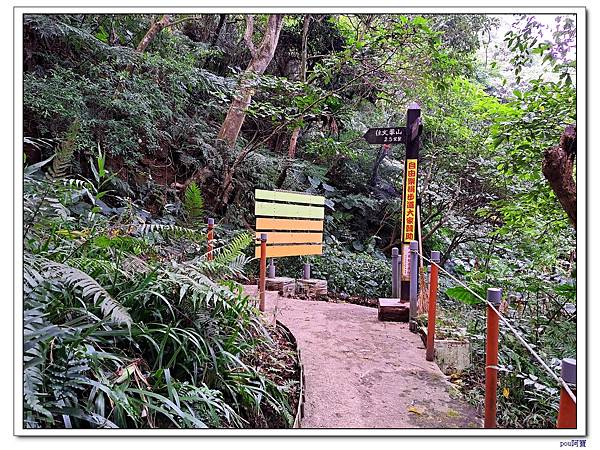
x: 393, y: 135
x: 287, y: 224
x: 390, y: 309
x: 409, y: 194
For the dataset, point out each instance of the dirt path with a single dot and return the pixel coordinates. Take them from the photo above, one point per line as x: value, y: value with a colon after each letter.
x: 363, y: 373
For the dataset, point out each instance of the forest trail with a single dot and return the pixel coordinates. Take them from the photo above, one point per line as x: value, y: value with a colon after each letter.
x: 363, y: 373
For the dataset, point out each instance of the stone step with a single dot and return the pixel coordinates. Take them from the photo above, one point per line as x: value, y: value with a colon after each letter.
x: 312, y: 287
x: 284, y: 285
x: 392, y: 309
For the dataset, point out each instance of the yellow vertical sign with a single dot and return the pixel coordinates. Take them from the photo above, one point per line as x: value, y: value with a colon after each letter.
x: 410, y: 201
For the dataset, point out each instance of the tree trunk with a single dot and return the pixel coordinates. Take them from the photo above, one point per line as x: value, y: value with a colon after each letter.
x: 383, y: 151
x: 222, y: 19
x: 303, y: 59
x: 230, y: 129
x: 557, y: 167
x: 293, y: 142
x: 156, y: 27
x: 261, y: 57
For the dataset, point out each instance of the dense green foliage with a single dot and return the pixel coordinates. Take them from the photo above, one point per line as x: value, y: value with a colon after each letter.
x: 151, y: 119
x: 125, y: 329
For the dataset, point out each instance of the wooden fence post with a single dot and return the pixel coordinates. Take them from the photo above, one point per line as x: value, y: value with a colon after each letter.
x: 395, y: 267
x: 433, y: 288
x: 306, y: 271
x: 263, y: 271
x: 414, y: 281
x: 272, y: 268
x: 494, y: 296
x: 209, y: 238
x: 567, y: 409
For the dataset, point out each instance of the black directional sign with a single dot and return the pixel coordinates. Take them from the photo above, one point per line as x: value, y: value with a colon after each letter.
x: 394, y: 135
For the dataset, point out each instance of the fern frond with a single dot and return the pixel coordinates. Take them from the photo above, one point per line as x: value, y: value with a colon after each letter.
x: 227, y: 254
x: 216, y: 270
x: 32, y: 277
x: 193, y: 201
x: 61, y: 164
x: 32, y: 381
x: 33, y: 360
x: 89, y: 288
x: 52, y: 29
x: 229, y: 261
x: 237, y: 265
x: 67, y: 376
x: 39, y: 143
x: 93, y: 265
x: 165, y: 229
x: 76, y: 183
x: 190, y: 280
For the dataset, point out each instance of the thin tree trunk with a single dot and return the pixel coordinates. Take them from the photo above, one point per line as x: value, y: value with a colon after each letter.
x: 441, y: 222
x: 261, y: 57
x: 221, y: 144
x: 222, y: 19
x: 230, y: 129
x: 383, y: 151
x: 557, y: 167
x: 392, y: 238
x: 156, y: 28
x: 303, y: 60
x: 293, y: 142
x: 304, y: 55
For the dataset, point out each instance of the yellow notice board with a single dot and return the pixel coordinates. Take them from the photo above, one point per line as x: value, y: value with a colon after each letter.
x: 410, y: 201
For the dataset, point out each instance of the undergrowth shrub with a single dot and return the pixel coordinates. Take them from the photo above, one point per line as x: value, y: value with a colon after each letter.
x: 357, y: 274
x: 131, y: 115
x: 123, y: 330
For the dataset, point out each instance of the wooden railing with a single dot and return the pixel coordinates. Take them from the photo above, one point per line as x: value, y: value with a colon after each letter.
x: 567, y: 414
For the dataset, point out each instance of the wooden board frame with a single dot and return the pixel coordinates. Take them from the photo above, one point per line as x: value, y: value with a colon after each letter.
x: 293, y: 222
x: 277, y: 237
x: 288, y: 196
x: 274, y: 251
x: 267, y: 224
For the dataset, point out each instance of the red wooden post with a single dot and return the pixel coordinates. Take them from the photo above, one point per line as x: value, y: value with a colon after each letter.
x: 494, y: 296
x: 433, y: 288
x: 263, y: 271
x: 209, y: 238
x: 567, y: 409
